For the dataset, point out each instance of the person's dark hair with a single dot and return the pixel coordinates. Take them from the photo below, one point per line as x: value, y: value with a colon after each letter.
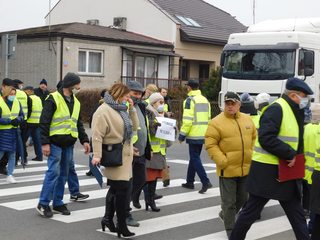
x: 102, y: 93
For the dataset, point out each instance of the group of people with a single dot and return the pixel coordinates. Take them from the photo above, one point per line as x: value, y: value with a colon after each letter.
x: 248, y: 140
x: 20, y: 112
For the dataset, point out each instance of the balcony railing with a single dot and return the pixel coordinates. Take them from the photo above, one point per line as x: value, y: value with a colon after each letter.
x: 160, y: 82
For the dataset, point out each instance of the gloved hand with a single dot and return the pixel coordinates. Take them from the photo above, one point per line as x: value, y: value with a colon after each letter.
x: 15, y: 122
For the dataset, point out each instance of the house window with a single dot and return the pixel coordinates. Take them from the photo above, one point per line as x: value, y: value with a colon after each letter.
x: 188, y: 21
x: 90, y: 61
x: 145, y: 66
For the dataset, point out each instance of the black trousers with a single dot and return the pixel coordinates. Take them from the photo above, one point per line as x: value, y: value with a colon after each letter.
x: 138, y: 175
x: 316, y: 228
x: 251, y: 212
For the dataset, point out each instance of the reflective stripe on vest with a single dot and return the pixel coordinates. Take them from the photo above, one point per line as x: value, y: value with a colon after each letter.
x: 7, y: 113
x: 62, y: 123
x: 36, y: 109
x: 310, y: 146
x: 158, y: 145
x: 289, y: 132
x: 23, y: 99
x: 197, y: 119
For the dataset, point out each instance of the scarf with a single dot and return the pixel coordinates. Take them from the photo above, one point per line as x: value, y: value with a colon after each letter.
x: 122, y: 110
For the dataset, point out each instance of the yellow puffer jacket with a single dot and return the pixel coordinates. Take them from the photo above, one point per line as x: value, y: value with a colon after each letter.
x: 229, y: 141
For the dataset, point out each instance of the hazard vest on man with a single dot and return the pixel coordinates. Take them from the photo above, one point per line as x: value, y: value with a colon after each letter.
x: 7, y: 113
x: 62, y: 123
x: 255, y: 120
x: 316, y: 165
x: 310, y: 146
x: 289, y: 133
x: 36, y: 109
x: 196, y: 115
x: 23, y: 99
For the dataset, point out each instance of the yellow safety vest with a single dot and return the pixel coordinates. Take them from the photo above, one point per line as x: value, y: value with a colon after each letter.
x: 196, y: 116
x: 255, y: 120
x: 23, y: 99
x: 7, y: 113
x: 158, y: 145
x: 289, y: 133
x: 36, y: 109
x: 62, y: 123
x: 310, y: 138
x: 166, y: 107
x: 317, y: 153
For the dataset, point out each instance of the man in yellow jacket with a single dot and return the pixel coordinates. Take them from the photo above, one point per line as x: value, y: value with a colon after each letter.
x: 229, y: 140
x: 196, y: 115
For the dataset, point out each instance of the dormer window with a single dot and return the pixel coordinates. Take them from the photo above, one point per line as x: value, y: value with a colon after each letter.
x: 188, y: 21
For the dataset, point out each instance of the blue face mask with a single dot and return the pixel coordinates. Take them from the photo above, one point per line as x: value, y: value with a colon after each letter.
x: 11, y: 98
x: 160, y: 108
x: 304, y: 102
x: 124, y: 103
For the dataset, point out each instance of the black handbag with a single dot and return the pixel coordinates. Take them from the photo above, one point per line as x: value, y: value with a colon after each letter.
x: 111, y: 155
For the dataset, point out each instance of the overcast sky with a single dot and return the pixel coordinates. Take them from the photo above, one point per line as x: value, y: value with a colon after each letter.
x: 18, y: 14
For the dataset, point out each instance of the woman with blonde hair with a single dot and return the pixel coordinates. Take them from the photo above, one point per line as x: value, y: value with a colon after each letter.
x: 112, y: 123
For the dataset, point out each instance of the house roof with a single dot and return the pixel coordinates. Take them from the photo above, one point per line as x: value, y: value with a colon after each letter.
x: 90, y: 32
x: 215, y: 24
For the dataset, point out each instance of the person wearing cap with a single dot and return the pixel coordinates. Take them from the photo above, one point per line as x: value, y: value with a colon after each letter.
x: 280, y: 138
x: 33, y: 120
x: 229, y: 140
x: 60, y: 127
x: 42, y: 91
x: 142, y: 152
x: 196, y: 115
x: 11, y: 115
x: 22, y: 130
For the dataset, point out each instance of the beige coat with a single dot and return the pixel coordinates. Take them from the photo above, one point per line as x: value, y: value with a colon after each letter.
x: 108, y: 128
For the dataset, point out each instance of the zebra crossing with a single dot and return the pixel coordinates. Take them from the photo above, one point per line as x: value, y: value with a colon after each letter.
x: 185, y: 214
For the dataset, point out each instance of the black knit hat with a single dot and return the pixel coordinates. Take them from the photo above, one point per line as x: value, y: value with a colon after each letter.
x: 70, y: 79
x: 43, y: 81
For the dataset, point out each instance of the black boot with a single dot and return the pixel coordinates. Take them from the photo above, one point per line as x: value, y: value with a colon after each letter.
x: 135, y: 200
x: 107, y: 220
x: 151, y: 186
x: 120, y: 204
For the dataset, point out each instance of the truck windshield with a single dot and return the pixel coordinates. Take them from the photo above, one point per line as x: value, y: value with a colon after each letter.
x: 259, y: 64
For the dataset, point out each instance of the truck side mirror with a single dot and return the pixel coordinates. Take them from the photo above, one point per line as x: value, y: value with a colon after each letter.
x: 308, y: 72
x: 222, y: 58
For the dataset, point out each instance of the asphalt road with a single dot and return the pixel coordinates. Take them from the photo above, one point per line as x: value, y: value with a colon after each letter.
x: 185, y: 214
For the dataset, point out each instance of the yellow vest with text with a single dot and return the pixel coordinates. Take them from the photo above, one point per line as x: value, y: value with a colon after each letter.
x: 36, y: 109
x: 289, y: 133
x: 7, y: 113
x: 195, y: 118
x: 310, y: 146
x: 23, y: 99
x: 64, y: 123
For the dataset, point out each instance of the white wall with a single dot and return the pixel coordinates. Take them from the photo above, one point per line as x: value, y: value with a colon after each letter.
x: 142, y: 16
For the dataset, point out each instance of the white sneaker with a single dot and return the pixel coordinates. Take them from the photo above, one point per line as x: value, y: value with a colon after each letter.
x: 10, y: 179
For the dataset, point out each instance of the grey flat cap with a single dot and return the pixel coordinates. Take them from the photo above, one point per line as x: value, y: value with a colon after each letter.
x: 135, y: 86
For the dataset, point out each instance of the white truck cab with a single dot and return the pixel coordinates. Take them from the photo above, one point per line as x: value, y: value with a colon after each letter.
x: 270, y: 52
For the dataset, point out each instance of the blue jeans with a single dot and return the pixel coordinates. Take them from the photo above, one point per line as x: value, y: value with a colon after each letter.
x: 195, y: 165
x: 73, y: 181
x: 35, y: 134
x: 11, y: 161
x: 56, y: 175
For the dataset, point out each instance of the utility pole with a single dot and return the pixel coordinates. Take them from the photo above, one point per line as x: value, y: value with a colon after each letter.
x: 8, y: 44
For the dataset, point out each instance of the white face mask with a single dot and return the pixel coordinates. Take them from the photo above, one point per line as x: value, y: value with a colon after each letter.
x: 304, y: 102
x: 75, y: 91
x: 160, y: 108
x: 11, y: 98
